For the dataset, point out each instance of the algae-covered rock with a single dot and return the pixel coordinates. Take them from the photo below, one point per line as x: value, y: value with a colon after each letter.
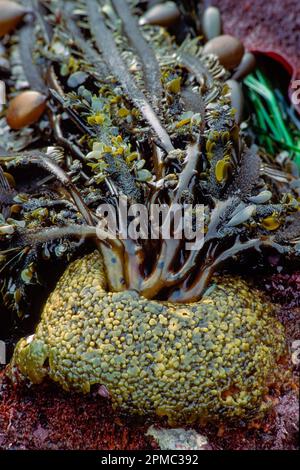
x: 208, y: 359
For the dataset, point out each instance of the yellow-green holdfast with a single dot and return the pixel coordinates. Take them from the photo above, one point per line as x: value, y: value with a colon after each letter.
x: 209, y: 359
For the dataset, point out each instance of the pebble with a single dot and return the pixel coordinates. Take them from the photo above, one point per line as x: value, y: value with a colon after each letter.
x: 25, y: 109
x: 227, y: 48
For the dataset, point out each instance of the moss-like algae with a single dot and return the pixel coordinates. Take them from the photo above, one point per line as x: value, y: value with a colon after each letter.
x: 207, y: 359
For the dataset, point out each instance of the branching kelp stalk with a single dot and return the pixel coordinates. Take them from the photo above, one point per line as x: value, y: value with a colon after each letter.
x: 139, y: 117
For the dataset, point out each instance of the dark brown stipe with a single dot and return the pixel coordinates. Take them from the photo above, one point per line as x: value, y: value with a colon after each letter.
x: 158, y: 163
x: 55, y: 121
x: 191, y: 291
x: 189, y: 170
x: 160, y: 277
x: 134, y: 258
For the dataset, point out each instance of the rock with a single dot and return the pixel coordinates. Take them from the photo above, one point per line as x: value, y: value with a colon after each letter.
x: 211, y: 23
x: 11, y: 14
x: 227, y: 48
x: 25, y: 109
x: 178, y: 439
x: 163, y: 14
x: 237, y: 99
x: 247, y: 65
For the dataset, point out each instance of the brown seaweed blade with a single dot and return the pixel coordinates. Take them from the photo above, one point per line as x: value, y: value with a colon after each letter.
x: 106, y: 44
x: 150, y: 65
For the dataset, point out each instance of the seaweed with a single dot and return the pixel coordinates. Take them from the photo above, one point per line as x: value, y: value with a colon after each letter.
x: 149, y: 120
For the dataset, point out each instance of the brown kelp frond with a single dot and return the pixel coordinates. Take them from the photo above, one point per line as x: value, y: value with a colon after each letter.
x: 82, y: 43
x: 247, y: 173
x: 147, y: 56
x: 189, y: 171
x: 50, y: 165
x: 195, y: 67
x: 41, y: 236
x: 169, y: 248
x: 106, y: 44
x: 222, y: 212
x: 31, y: 70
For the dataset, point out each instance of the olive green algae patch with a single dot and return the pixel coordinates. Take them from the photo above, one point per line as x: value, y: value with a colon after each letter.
x: 208, y: 359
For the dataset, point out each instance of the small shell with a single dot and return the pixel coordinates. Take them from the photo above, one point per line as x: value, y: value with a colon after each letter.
x: 242, y: 216
x: 25, y: 109
x: 11, y: 14
x: 261, y: 198
x: 227, y: 48
x: 27, y: 274
x: 247, y: 65
x: 15, y: 209
x: 29, y: 339
x: 222, y: 170
x: 163, y: 14
x: 237, y: 99
x: 103, y: 392
x: 211, y: 23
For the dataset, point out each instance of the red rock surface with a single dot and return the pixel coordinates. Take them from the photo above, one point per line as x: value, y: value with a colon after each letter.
x: 44, y: 417
x: 271, y: 27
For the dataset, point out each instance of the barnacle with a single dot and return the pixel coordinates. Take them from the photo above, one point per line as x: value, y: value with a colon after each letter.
x: 208, y: 359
